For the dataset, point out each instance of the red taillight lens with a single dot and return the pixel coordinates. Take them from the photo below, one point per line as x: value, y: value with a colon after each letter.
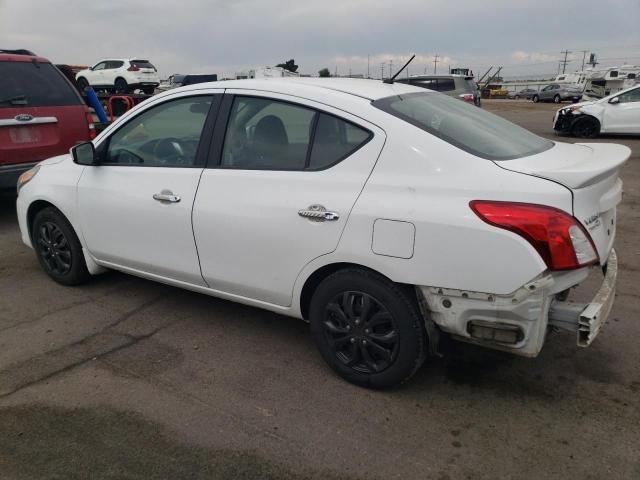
x: 559, y: 239
x: 91, y: 126
x: 133, y: 68
x: 467, y: 97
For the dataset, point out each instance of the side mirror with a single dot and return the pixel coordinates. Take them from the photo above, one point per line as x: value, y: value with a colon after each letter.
x: 84, y: 154
x: 614, y: 100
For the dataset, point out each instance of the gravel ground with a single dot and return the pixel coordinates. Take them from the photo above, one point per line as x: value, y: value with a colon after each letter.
x: 129, y: 379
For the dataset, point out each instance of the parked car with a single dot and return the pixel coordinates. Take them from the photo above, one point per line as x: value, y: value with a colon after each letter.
x: 618, y: 113
x: 121, y: 75
x: 525, y: 93
x: 385, y: 215
x: 41, y: 114
x: 462, y: 87
x: 557, y: 93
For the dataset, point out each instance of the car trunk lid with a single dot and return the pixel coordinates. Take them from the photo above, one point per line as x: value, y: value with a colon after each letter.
x: 591, y: 172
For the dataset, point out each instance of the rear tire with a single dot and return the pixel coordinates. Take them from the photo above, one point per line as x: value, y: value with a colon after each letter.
x: 367, y: 328
x: 535, y: 99
x: 586, y: 127
x: 121, y: 86
x: 556, y: 99
x: 58, y: 249
x: 149, y: 90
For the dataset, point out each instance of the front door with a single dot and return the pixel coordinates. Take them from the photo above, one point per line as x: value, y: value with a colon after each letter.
x: 624, y: 116
x: 286, y: 178
x: 135, y: 208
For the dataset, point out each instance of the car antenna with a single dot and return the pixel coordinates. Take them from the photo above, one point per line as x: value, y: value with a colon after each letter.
x: 390, y: 80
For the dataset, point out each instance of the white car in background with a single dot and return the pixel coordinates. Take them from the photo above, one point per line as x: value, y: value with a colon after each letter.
x: 616, y: 114
x: 121, y: 75
x: 386, y: 215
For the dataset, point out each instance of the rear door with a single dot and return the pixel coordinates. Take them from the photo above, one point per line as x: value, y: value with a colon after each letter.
x: 285, y: 176
x: 41, y: 114
x: 624, y: 116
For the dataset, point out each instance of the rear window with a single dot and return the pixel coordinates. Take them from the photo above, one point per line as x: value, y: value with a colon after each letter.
x: 142, y: 64
x: 437, y: 84
x: 34, y: 85
x: 465, y: 126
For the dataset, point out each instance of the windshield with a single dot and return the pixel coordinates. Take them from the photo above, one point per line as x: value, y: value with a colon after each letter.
x: 465, y: 126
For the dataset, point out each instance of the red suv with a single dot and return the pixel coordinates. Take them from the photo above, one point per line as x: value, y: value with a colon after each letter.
x: 41, y: 114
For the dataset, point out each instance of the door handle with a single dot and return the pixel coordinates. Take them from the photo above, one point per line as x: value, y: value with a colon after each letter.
x: 166, y: 196
x: 318, y: 213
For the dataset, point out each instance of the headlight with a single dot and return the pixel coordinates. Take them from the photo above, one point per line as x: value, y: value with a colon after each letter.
x: 27, y: 176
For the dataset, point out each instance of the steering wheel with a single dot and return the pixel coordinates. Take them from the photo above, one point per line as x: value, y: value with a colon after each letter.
x: 169, y: 151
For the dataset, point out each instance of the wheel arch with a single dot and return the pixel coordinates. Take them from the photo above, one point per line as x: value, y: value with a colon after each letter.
x: 39, y: 205
x: 318, y: 275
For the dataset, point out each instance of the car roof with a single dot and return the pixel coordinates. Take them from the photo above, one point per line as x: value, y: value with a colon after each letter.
x: 313, y: 88
x: 15, y: 57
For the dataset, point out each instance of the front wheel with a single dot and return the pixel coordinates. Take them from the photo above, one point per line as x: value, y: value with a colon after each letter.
x: 82, y: 84
x: 58, y: 249
x: 367, y: 328
x: 556, y: 99
x: 121, y: 86
x: 535, y: 99
x: 586, y: 127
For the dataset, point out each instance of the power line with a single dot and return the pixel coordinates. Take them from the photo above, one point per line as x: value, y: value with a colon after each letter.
x: 565, y: 61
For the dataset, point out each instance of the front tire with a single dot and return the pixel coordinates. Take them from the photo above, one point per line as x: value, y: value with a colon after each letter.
x: 535, y: 99
x: 586, y: 127
x: 58, y: 249
x: 367, y: 328
x: 82, y: 84
x: 556, y: 99
x: 121, y: 86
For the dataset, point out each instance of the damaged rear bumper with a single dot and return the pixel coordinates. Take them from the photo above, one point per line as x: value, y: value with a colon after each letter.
x: 518, y: 322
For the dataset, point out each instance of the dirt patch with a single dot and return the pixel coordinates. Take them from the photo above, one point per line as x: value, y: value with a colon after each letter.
x: 102, y: 443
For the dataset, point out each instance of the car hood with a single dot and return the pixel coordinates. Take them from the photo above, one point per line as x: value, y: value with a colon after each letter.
x: 55, y: 160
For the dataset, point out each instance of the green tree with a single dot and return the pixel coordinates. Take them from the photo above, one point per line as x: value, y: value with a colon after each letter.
x: 289, y: 65
x: 324, y: 72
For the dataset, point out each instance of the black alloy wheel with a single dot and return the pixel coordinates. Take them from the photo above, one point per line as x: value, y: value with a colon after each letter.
x: 361, y: 332
x: 54, y: 248
x: 586, y: 127
x: 367, y: 328
x: 57, y: 247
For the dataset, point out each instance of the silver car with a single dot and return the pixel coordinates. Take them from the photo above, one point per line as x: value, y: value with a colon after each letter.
x: 558, y: 93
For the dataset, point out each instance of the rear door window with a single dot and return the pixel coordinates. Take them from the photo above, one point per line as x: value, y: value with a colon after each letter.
x: 334, y: 140
x: 28, y: 84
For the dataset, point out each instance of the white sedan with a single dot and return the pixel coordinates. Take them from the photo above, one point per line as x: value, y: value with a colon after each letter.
x: 386, y: 215
x: 617, y: 114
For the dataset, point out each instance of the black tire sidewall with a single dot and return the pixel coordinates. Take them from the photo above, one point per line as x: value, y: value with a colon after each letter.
x: 535, y: 99
x: 409, y: 323
x: 120, y: 82
x: 580, y: 121
x: 78, y: 273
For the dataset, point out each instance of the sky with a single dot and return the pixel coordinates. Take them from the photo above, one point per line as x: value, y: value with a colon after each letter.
x: 346, y: 36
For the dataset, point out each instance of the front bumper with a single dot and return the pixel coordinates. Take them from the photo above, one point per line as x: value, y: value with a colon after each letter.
x: 518, y: 322
x: 563, y: 121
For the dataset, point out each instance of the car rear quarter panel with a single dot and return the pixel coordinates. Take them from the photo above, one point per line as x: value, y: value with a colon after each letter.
x: 425, y: 181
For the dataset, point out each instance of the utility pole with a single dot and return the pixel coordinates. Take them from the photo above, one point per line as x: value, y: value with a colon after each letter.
x: 584, y: 55
x: 368, y: 76
x: 390, y: 68
x: 435, y: 62
x: 565, y: 61
x: 381, y: 70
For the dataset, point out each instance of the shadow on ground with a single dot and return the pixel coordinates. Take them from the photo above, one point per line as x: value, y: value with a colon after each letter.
x: 102, y: 443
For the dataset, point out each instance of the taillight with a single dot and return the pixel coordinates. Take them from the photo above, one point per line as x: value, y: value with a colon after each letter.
x: 557, y: 236
x: 133, y: 68
x: 91, y: 126
x: 467, y: 97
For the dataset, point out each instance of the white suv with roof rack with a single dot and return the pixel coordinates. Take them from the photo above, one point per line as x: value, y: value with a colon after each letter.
x: 121, y: 75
